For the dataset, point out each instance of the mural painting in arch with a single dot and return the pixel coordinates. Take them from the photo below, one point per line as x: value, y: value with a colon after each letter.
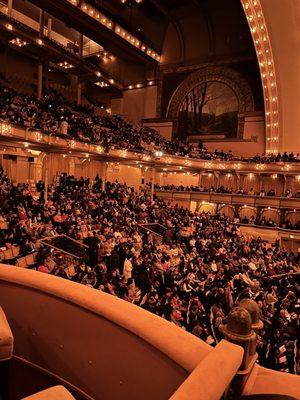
x: 210, y: 109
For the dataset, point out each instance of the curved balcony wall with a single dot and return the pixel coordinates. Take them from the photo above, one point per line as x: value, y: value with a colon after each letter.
x: 100, y: 345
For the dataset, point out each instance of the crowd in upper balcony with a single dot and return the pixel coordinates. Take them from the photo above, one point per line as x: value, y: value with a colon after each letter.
x: 53, y: 114
x: 192, y: 275
x: 227, y: 190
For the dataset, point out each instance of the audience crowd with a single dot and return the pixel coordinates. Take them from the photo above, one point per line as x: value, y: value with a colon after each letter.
x: 191, y: 275
x: 227, y: 190
x: 263, y: 221
x: 55, y: 115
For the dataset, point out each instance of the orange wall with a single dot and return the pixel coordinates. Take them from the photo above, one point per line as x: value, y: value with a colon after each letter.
x: 254, y: 130
x: 132, y: 176
x: 282, y: 19
x: 139, y: 103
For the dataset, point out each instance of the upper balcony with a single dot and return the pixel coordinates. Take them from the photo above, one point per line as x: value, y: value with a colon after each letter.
x: 162, y: 162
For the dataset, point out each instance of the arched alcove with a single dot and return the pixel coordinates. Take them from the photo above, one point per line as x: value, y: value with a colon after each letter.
x: 221, y: 88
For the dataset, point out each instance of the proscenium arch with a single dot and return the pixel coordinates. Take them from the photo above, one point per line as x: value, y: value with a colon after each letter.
x: 227, y: 76
x: 255, y: 17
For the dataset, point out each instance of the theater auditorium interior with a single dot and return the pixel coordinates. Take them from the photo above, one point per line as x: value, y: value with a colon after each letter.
x: 149, y: 199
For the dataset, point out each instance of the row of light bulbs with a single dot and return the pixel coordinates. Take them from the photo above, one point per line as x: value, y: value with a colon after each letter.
x: 140, y: 85
x: 108, y: 23
x: 253, y: 11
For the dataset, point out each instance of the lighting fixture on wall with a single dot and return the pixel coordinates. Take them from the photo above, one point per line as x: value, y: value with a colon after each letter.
x: 102, y: 84
x: 18, y: 42
x: 65, y: 65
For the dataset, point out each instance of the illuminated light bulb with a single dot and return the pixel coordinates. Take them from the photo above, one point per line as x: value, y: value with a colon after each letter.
x: 103, y: 20
x: 85, y: 7
x: 274, y: 99
x: 111, y: 81
x: 92, y: 12
x: 39, y: 42
x: 130, y: 87
x: 98, y: 16
x: 98, y: 73
x: 143, y: 47
x: 118, y: 30
x: 138, y: 85
x: 253, y: 30
x: 150, y: 83
x: 109, y: 24
x: 256, y: 41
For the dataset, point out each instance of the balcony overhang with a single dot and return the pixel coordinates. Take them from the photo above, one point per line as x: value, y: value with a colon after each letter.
x: 82, y: 22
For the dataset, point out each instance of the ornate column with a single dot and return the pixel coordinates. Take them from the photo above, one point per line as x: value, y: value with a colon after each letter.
x: 49, y: 27
x: 41, y: 23
x: 9, y: 7
x: 79, y: 90
x: 152, y: 183
x: 40, y: 80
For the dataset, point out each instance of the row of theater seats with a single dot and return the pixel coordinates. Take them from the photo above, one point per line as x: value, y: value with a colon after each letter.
x: 6, y: 353
x: 13, y: 255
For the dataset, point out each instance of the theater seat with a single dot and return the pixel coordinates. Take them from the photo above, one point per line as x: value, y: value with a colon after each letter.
x: 6, y: 338
x: 54, y: 393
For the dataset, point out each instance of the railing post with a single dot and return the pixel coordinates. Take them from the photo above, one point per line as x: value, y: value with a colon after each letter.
x: 238, y: 330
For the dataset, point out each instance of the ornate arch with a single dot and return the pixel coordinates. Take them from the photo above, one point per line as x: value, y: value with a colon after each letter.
x: 227, y: 76
x: 224, y: 75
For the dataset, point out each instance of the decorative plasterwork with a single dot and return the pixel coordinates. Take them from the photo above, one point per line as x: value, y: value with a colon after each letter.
x: 224, y: 75
x: 259, y: 32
